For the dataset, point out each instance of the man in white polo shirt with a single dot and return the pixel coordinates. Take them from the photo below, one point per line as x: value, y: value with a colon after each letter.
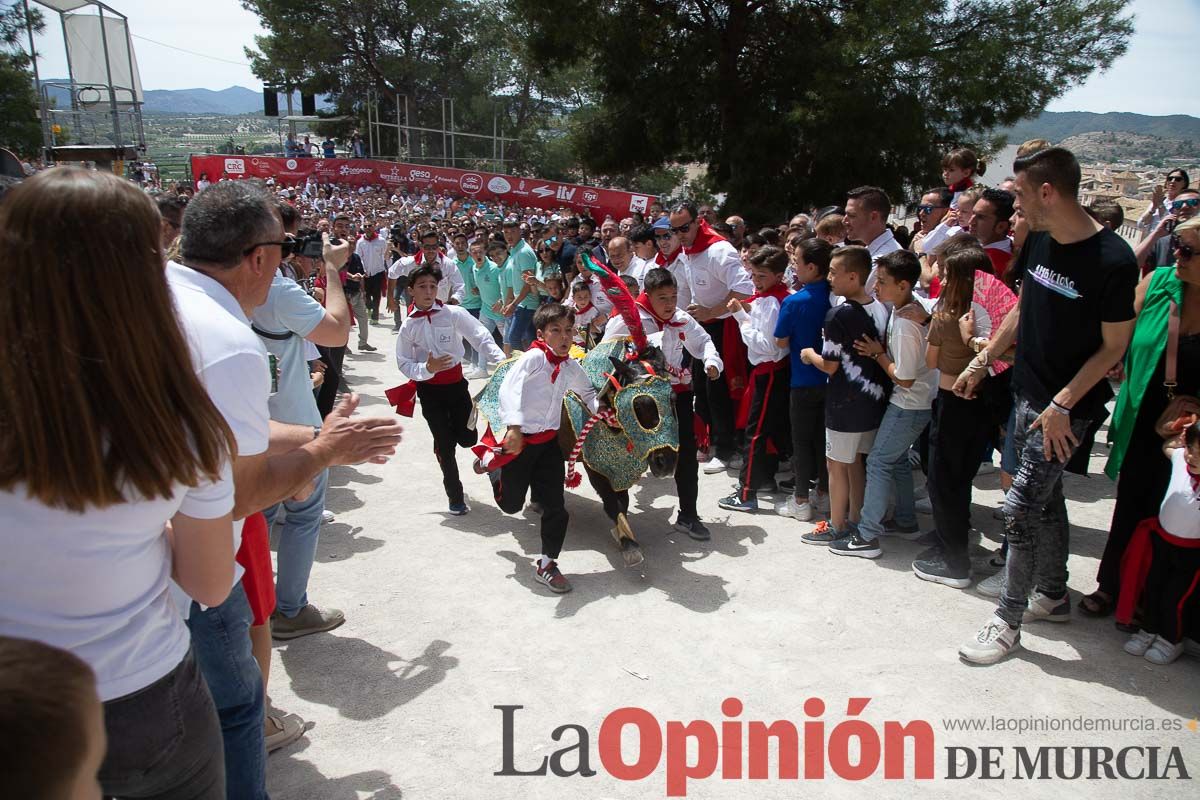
x: 232, y: 245
x: 715, y: 275
x: 867, y: 210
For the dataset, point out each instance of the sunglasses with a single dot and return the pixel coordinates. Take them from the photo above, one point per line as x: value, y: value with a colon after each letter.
x: 286, y: 244
x: 1184, y: 251
x: 682, y: 228
x: 1191, y: 202
x: 928, y: 209
x: 1175, y: 178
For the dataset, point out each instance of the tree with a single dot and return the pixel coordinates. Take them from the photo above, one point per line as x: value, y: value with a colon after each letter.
x: 19, y: 128
x: 791, y: 102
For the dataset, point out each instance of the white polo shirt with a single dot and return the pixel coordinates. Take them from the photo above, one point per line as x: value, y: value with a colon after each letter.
x: 715, y: 272
x: 231, y: 362
x: 373, y: 253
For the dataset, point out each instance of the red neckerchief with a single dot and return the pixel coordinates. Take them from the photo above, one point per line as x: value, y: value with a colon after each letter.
x: 662, y: 260
x: 778, y: 291
x: 428, y: 313
x: 963, y: 185
x: 643, y: 302
x: 584, y: 309
x: 705, y: 239
x: 371, y: 236
x: 553, y: 358
x: 420, y: 257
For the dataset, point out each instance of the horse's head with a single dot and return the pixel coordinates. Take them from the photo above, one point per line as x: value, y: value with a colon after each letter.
x: 640, y: 394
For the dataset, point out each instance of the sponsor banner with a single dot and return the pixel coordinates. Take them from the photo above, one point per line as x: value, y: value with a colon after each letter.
x: 509, y: 189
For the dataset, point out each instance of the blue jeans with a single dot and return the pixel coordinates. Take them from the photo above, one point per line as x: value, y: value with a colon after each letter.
x: 221, y: 642
x: 887, y: 466
x: 297, y: 547
x: 520, y: 328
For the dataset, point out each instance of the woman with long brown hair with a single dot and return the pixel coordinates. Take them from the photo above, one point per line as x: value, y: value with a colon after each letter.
x: 114, y: 472
x: 961, y: 427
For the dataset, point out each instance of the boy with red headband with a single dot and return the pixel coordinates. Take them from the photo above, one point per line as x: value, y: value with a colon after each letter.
x: 764, y: 411
x: 674, y: 331
x: 531, y: 406
x: 429, y: 351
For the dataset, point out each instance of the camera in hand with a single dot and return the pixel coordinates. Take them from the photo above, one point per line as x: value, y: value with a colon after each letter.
x: 309, y: 246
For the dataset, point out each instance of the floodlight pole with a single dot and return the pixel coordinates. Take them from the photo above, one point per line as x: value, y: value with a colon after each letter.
x: 112, y: 94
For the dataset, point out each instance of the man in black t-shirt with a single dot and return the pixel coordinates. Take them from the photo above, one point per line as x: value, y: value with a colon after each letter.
x: 1072, y: 325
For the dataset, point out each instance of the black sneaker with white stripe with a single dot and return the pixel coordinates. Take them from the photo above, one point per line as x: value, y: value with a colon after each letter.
x: 856, y: 545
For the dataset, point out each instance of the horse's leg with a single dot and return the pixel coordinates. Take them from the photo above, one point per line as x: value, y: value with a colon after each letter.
x: 616, y: 506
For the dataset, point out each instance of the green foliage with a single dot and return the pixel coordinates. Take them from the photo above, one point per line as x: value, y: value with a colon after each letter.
x: 791, y: 102
x: 19, y: 128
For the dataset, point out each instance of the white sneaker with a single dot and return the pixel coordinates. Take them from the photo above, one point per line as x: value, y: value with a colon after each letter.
x: 1139, y: 643
x: 921, y: 492
x: 1042, y: 607
x: 991, y: 587
x: 995, y: 640
x: 713, y: 466
x: 819, y: 501
x: 327, y: 516
x: 795, y: 509
x: 476, y: 374
x: 924, y: 506
x: 1162, y: 652
x: 737, y: 462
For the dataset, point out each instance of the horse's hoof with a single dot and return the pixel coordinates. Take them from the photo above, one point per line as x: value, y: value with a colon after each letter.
x: 632, y: 554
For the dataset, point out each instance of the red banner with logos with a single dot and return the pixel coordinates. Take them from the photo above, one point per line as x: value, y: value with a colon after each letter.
x: 487, y: 186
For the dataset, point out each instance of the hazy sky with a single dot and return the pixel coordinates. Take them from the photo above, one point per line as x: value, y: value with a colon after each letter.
x: 1154, y: 77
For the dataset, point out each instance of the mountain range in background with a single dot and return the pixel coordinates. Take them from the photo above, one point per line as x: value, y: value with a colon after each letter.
x: 228, y: 102
x: 1060, y: 125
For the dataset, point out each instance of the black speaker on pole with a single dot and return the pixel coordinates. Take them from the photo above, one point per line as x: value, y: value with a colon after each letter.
x: 308, y: 105
x: 270, y: 102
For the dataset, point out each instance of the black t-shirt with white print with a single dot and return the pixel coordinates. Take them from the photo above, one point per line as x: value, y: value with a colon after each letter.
x: 857, y: 394
x: 1067, y: 291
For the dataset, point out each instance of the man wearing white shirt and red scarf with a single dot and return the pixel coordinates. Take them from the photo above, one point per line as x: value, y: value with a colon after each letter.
x: 429, y: 351
x: 715, y: 275
x: 451, y: 289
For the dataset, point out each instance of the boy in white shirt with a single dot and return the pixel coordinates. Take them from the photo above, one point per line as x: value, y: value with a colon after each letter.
x: 679, y: 332
x: 531, y: 405
x: 767, y: 420
x: 907, y: 414
x: 429, y: 351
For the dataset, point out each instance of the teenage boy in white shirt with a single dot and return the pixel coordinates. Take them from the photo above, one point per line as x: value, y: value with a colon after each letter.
x: 531, y: 402
x: 429, y: 351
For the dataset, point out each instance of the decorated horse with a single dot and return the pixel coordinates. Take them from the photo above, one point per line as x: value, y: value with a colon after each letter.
x: 635, y: 428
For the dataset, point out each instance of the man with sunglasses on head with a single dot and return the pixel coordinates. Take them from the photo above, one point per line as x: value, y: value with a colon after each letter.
x: 714, y: 275
x: 1160, y: 201
x: 1155, y: 250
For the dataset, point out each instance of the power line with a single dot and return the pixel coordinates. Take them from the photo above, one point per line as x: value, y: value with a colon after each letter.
x: 191, y: 52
